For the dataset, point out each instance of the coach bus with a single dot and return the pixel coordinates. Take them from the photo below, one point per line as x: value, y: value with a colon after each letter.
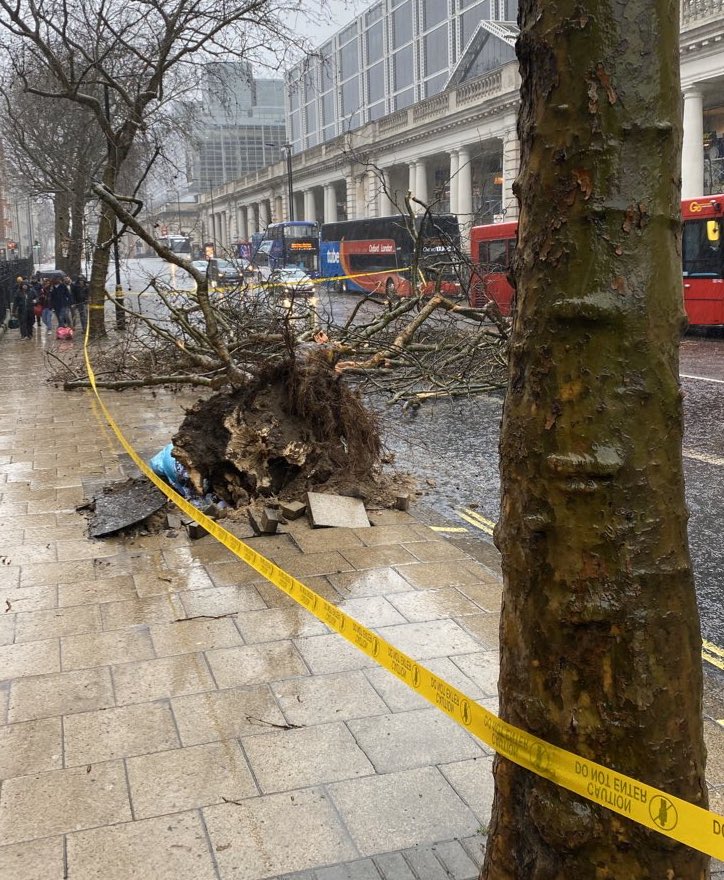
x: 376, y: 255
x: 179, y: 244
x: 292, y: 243
x: 492, y: 248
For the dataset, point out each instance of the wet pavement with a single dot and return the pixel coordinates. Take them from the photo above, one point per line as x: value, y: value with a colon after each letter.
x: 164, y: 713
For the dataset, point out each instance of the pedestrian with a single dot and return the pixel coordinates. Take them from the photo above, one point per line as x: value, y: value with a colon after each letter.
x: 79, y: 293
x: 37, y: 288
x: 60, y: 301
x: 44, y: 299
x: 23, y: 307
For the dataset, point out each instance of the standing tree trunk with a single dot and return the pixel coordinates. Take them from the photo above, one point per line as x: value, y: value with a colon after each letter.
x: 600, y: 643
x: 101, y: 260
x: 61, y: 204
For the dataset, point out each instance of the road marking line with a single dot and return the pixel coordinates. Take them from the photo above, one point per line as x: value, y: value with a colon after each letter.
x: 714, y: 661
x: 474, y: 522
x: 479, y: 517
x: 720, y: 722
x: 703, y: 456
x: 701, y: 378
x: 712, y: 648
x: 449, y: 529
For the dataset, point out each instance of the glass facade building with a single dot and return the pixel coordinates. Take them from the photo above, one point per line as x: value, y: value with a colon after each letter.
x: 239, y: 125
x: 394, y: 54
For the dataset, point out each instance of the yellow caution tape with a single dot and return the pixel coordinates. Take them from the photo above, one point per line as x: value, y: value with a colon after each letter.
x: 649, y: 806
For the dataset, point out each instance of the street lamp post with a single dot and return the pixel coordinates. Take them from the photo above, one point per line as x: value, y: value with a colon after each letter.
x: 290, y: 187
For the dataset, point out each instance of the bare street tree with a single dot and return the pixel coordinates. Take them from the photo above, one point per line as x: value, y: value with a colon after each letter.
x: 123, y: 62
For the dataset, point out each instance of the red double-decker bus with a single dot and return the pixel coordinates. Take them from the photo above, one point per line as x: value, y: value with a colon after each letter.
x: 492, y: 248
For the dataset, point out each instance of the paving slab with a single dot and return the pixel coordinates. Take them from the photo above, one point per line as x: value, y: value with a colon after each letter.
x: 170, y: 848
x: 336, y: 510
x: 278, y: 833
x: 399, y: 810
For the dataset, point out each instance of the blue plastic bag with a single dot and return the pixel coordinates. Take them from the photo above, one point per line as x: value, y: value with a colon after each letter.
x: 164, y: 465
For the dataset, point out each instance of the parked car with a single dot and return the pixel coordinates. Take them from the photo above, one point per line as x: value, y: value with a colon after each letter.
x: 291, y: 279
x: 228, y: 272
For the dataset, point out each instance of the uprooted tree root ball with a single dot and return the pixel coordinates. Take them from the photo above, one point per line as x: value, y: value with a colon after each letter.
x: 296, y: 427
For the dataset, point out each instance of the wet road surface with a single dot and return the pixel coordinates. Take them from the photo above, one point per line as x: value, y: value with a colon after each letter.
x: 435, y: 442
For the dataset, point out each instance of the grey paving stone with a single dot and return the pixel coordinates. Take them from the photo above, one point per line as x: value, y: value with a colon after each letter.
x: 457, y: 862
x: 400, y: 810
x: 425, y: 865
x: 365, y: 869
x: 475, y: 847
x: 393, y: 866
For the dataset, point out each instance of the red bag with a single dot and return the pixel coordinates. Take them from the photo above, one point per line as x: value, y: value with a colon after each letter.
x: 64, y: 333
x: 37, y: 310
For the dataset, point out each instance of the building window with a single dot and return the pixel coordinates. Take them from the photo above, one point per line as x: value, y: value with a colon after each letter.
x: 328, y: 108
x: 402, y: 68
x: 436, y: 84
x: 404, y: 99
x: 376, y: 111
x: 375, y: 43
x: 348, y: 33
x: 402, y: 25
x: 433, y: 12
x: 348, y: 60
x: 374, y: 14
x: 435, y: 50
x: 376, y: 83
x: 350, y: 96
x: 310, y: 113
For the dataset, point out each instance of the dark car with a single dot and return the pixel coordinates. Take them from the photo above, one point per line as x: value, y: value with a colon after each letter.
x: 225, y: 273
x: 51, y: 274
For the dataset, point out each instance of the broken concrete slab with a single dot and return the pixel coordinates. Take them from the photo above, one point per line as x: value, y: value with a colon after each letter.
x: 195, y: 531
x: 402, y: 501
x: 121, y: 505
x: 293, y: 509
x: 336, y: 511
x: 269, y: 521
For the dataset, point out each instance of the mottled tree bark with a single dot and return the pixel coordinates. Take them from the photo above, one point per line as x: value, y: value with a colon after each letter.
x: 600, y: 643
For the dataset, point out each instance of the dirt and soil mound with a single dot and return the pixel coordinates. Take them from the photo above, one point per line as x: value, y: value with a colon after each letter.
x: 297, y: 427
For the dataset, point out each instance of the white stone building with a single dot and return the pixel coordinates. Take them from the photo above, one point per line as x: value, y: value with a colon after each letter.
x: 456, y: 148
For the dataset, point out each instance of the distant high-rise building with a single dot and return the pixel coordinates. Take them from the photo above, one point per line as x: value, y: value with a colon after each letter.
x: 394, y: 54
x: 239, y: 125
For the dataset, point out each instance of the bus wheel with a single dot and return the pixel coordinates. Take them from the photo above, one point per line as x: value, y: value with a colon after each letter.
x: 390, y: 287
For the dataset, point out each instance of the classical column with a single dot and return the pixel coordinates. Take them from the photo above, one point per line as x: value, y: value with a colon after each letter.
x: 371, y: 187
x: 454, y: 164
x: 387, y: 200
x: 692, y: 153
x: 251, y: 220
x: 310, y: 208
x: 242, y: 222
x: 278, y: 208
x: 511, y: 167
x: 421, y: 184
x: 330, y: 203
x: 263, y: 214
x: 465, y: 197
x: 412, y: 178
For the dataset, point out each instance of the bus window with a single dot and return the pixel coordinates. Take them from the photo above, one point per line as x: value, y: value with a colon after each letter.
x: 702, y: 249
x: 493, y: 255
